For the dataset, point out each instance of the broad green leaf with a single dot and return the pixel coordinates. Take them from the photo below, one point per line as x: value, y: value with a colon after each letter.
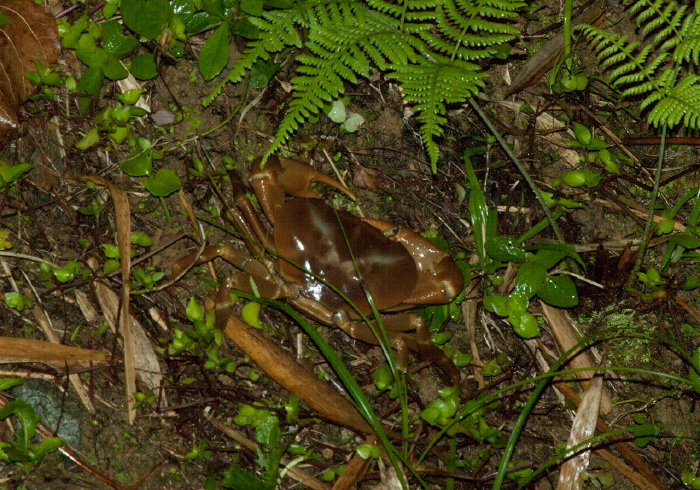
x: 252, y: 7
x: 200, y: 22
x: 685, y: 240
x: 244, y: 28
x: 504, y: 249
x: 574, y: 178
x: 71, y: 34
x: 529, y: 278
x: 184, y: 8
x: 215, y: 53
x: 262, y: 72
x: 496, y: 303
x: 7, y: 383
x: 516, y: 304
x: 559, y: 291
x: 582, y: 133
x: 115, y: 42
x: 10, y: 173
x: 139, y: 163
x: 143, y: 67
x: 550, y: 254
x: 164, y: 183
x: 90, y: 84
x: 526, y: 326
x: 145, y: 17
x: 113, y: 69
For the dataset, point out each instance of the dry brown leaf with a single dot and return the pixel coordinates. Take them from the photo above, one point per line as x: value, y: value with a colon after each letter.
x: 145, y: 359
x: 566, y: 337
x: 122, y: 210
x: 58, y: 356
x: 27, y: 32
x: 583, y: 428
x: 286, y: 371
x: 365, y: 178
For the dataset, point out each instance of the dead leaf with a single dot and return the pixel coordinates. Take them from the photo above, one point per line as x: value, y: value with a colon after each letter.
x: 58, y: 356
x: 365, y: 178
x: 27, y: 32
x: 284, y: 369
x: 574, y: 468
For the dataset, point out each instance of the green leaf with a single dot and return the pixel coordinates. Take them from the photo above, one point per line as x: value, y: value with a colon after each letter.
x: 138, y: 163
x: 685, y: 240
x: 559, y: 291
x: 504, y: 249
x: 252, y: 7
x: 10, y: 173
x: 643, y: 434
x: 516, y: 304
x: 141, y: 239
x: 526, y: 325
x: 496, y: 303
x: 262, y: 72
x: 7, y: 383
x: 113, y: 69
x: 215, y: 53
x: 529, y: 278
x: 582, y: 133
x: 27, y: 418
x: 143, y: 67
x: 115, y: 42
x: 90, y: 84
x: 574, y: 178
x: 164, y: 183
x: 550, y: 254
x: 694, y: 370
x: 200, y: 22
x: 145, y: 17
x: 244, y: 28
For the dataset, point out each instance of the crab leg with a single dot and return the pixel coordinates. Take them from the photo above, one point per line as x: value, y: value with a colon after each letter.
x: 265, y: 283
x: 282, y: 176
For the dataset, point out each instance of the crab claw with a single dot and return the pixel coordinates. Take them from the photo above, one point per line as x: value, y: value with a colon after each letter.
x: 282, y: 176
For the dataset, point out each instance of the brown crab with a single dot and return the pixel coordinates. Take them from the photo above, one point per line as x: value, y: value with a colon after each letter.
x: 399, y: 268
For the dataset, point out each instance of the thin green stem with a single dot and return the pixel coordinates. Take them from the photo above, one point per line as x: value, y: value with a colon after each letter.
x: 568, y: 6
x: 652, y: 205
x: 521, y: 168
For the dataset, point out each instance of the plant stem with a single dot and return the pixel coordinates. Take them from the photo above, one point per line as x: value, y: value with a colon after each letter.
x: 521, y: 168
x: 652, y: 205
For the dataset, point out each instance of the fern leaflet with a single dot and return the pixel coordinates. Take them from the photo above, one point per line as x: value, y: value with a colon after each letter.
x: 426, y: 45
x: 655, y: 67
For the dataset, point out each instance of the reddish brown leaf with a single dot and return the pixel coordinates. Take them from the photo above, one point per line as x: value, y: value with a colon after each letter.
x: 365, y: 178
x: 29, y: 33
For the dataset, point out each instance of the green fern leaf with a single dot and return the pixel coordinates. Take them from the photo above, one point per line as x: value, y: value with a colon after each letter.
x: 689, y: 47
x: 430, y: 86
x: 424, y: 43
x: 682, y: 104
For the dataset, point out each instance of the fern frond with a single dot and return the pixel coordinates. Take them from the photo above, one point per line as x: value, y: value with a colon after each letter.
x: 472, y: 30
x: 689, y: 48
x: 279, y: 28
x: 654, y: 68
x: 682, y: 104
x: 429, y: 86
x: 425, y: 43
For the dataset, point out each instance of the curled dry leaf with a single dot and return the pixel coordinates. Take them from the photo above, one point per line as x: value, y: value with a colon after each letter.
x: 27, y: 32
